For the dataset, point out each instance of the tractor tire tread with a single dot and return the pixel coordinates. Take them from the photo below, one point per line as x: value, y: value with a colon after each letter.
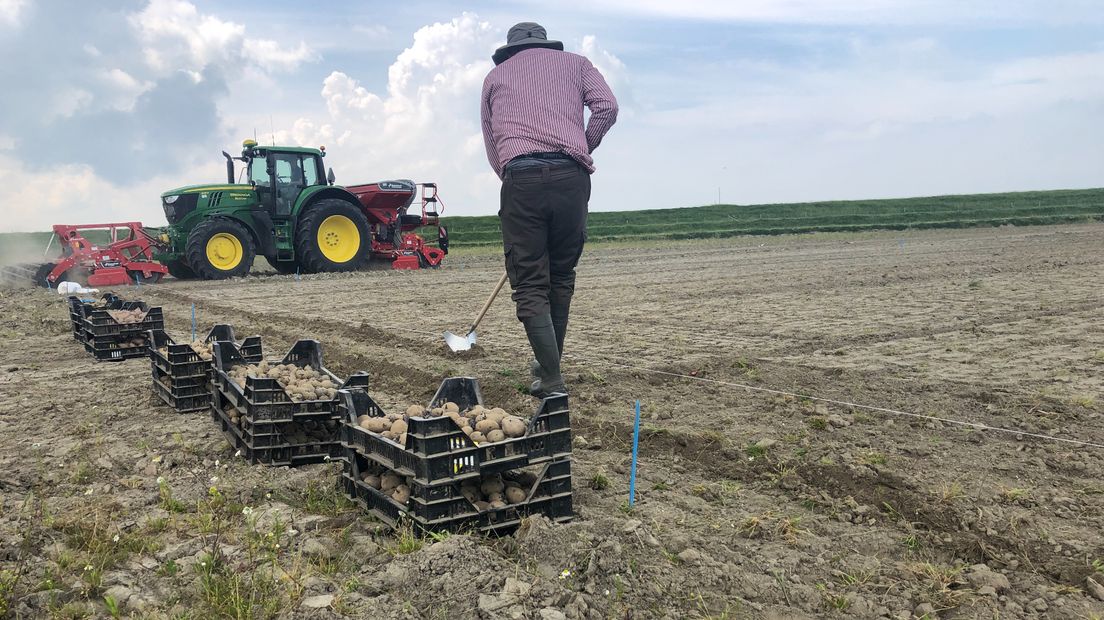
x: 197, y: 248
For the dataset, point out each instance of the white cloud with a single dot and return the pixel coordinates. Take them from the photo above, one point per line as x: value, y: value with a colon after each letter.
x: 10, y: 12
x: 124, y: 88
x: 176, y: 36
x: 941, y: 12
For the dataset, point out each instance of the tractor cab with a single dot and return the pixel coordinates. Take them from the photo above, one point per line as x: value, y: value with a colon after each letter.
x: 280, y: 174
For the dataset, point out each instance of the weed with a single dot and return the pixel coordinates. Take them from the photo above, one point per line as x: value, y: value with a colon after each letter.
x: 975, y: 284
x: 1012, y: 494
x: 321, y: 498
x: 439, y: 536
x: 1088, y: 402
x: 948, y: 493
x: 752, y: 526
x: 1098, y: 565
x: 912, y: 543
x: 168, y: 502
x: 789, y: 529
x: 599, y: 481
x: 940, y: 582
x: 229, y: 593
x: 405, y: 542
x: 873, y: 458
x: 661, y: 486
x: 673, y: 558
x: 755, y: 450
x: 169, y: 569
x: 832, y: 601
x: 82, y: 474
x: 112, y: 606
x: 626, y: 508
x: 817, y: 423
x: 505, y: 372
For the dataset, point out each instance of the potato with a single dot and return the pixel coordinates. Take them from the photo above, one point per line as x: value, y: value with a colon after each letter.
x: 372, y: 480
x: 466, y: 430
x: 496, y: 436
x: 363, y: 418
x: 377, y: 425
x: 471, y: 494
x: 481, y: 506
x: 398, y: 427
x: 402, y: 439
x: 415, y: 411
x: 388, y: 435
x: 515, y: 495
x: 513, y: 426
x: 438, y: 411
x: 495, y: 505
x: 492, y: 484
x: 486, y: 426
x: 494, y: 416
x: 389, y: 481
x: 451, y: 407
x: 401, y: 494
x: 499, y: 411
x: 477, y: 437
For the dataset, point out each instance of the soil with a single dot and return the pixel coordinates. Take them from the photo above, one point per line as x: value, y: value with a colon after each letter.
x: 749, y: 503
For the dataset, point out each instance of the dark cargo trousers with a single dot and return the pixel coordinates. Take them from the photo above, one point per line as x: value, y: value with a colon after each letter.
x: 543, y: 215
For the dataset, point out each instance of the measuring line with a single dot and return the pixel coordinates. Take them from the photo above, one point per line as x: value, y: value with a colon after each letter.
x: 844, y: 403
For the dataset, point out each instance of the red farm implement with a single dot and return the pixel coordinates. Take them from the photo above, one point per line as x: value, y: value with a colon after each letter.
x: 387, y: 205
x: 93, y: 254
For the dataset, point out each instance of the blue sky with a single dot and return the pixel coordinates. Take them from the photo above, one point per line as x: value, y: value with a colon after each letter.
x: 756, y: 101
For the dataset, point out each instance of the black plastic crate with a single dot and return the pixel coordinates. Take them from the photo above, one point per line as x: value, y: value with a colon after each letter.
x: 180, y: 360
x: 264, y: 452
x: 263, y: 399
x: 182, y: 400
x: 549, y: 495
x: 437, y: 450
x: 77, y: 310
x: 111, y: 349
x: 98, y: 322
x: 269, y: 434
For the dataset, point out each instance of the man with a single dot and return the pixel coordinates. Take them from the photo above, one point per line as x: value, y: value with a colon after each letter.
x: 533, y: 128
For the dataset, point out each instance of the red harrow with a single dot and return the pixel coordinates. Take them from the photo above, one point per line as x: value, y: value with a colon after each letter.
x: 123, y: 256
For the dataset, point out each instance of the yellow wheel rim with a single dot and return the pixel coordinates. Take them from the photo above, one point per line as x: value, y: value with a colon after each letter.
x: 224, y: 251
x: 338, y: 239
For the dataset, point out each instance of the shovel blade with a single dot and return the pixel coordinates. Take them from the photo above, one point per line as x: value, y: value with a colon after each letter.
x: 459, y: 343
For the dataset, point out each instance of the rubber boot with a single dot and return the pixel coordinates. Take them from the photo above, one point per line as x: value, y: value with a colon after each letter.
x: 542, y: 338
x: 559, y: 323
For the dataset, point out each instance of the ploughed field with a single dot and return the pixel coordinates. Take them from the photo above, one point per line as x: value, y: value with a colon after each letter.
x: 751, y: 502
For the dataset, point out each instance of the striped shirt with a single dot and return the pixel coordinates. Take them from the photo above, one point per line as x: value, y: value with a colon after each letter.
x: 533, y: 103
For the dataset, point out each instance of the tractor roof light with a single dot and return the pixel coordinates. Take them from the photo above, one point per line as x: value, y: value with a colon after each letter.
x: 322, y: 150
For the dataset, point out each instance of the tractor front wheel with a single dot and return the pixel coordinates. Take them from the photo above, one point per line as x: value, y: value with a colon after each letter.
x: 331, y: 236
x: 179, y: 270
x: 220, y: 248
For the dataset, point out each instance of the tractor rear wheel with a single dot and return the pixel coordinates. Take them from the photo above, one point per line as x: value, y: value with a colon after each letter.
x: 43, y: 271
x: 219, y: 248
x: 332, y: 236
x: 179, y: 270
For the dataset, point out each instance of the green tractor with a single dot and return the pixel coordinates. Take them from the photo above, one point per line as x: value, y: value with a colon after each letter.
x: 291, y: 213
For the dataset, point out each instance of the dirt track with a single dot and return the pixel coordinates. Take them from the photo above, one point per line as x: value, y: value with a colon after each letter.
x: 750, y: 504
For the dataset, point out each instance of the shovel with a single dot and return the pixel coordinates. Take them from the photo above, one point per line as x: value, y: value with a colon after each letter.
x: 463, y: 343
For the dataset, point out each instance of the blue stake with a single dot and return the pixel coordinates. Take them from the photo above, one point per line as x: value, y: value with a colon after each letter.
x: 636, y: 445
x: 193, y: 323
x: 296, y: 274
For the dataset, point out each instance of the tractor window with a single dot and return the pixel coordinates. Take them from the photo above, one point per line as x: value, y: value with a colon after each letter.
x: 258, y: 173
x: 310, y: 171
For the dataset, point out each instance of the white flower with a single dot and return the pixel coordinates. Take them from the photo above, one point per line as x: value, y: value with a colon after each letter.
x: 247, y: 511
x: 203, y: 564
x: 564, y: 574
x: 89, y: 491
x: 326, y: 458
x: 36, y: 445
x: 115, y: 538
x: 268, y: 496
x: 238, y: 453
x: 160, y: 480
x: 216, y: 462
x: 87, y: 567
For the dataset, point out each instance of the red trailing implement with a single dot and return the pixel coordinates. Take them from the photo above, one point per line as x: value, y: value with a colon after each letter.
x: 387, y: 204
x: 121, y: 254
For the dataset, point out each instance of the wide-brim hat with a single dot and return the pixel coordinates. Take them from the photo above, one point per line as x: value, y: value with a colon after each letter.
x: 524, y: 36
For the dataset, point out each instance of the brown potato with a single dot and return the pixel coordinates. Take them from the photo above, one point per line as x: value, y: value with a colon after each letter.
x: 515, y: 495
x: 496, y: 436
x: 486, y: 426
x: 401, y: 494
x: 477, y: 437
x: 495, y: 505
x: 398, y: 427
x: 402, y: 439
x: 377, y: 425
x: 372, y: 480
x: 513, y: 426
x: 415, y: 411
x: 492, y: 484
x: 389, y: 481
x: 451, y: 407
x: 481, y: 506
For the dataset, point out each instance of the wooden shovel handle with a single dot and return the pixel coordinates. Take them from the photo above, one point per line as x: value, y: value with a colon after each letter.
x: 490, y: 300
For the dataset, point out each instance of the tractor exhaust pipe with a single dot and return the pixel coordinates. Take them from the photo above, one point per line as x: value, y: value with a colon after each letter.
x: 229, y: 167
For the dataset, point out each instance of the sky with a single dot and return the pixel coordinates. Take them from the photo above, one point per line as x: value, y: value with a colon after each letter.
x: 106, y: 104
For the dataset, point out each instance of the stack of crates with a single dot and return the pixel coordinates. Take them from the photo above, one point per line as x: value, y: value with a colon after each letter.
x: 77, y: 311
x: 181, y: 377
x: 439, y: 458
x: 261, y: 420
x: 109, y: 340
